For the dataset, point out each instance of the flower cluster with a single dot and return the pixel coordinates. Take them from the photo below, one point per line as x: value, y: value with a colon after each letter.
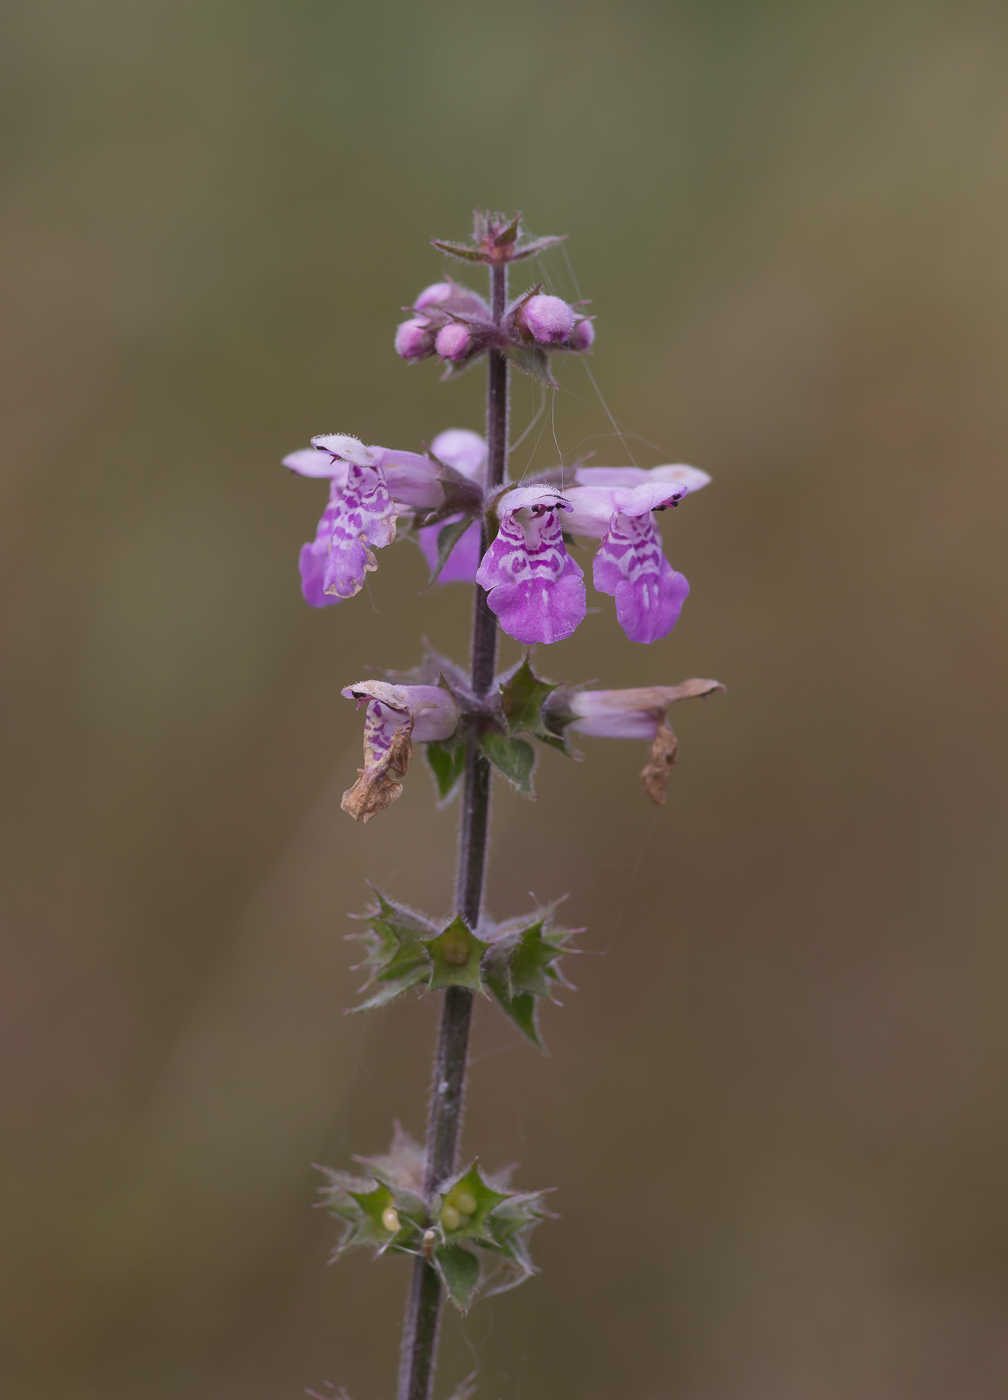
x: 534, y: 584
x: 433, y: 705
x: 474, y: 1229
x: 455, y: 323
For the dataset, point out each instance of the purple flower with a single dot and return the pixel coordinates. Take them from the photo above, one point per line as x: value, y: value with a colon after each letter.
x: 532, y: 583
x: 547, y: 319
x: 583, y: 335
x: 631, y: 714
x: 396, y: 716
x: 630, y: 563
x: 453, y: 341
x: 466, y: 452
x: 366, y: 485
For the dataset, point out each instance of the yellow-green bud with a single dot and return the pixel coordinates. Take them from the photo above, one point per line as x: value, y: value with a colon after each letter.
x: 390, y: 1219
x: 464, y: 1201
x: 450, y: 1217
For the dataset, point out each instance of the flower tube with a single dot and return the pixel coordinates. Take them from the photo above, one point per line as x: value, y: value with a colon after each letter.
x: 631, y: 714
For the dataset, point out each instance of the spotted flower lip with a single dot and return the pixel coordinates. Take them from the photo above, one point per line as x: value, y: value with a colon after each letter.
x: 396, y: 715
x: 533, y: 585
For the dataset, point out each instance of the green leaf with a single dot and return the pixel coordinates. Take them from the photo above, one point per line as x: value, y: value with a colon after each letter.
x: 466, y: 1205
x: 456, y: 955
x: 523, y: 695
x: 533, y: 360
x: 461, y: 250
x: 448, y: 538
x: 514, y: 758
x: 446, y: 759
x: 460, y: 1272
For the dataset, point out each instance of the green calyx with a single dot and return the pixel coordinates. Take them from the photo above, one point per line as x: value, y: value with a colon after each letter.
x: 474, y: 1231
x: 515, y: 962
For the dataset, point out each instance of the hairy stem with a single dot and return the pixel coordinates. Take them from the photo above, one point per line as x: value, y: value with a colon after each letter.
x: 423, y: 1307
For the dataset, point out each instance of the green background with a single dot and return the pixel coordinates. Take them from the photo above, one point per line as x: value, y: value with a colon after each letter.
x: 776, y: 1105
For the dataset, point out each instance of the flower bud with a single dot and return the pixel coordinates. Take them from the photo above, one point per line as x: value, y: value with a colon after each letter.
x: 453, y: 341
x: 547, y: 319
x: 433, y: 295
x: 582, y: 336
x: 414, y: 340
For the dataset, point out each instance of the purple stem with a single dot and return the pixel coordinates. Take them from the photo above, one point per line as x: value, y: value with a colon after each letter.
x: 444, y: 1121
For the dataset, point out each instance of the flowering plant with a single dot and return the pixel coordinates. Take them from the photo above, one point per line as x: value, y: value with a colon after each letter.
x: 467, y: 1231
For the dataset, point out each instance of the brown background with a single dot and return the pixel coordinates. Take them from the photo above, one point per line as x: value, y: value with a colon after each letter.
x: 775, y: 1108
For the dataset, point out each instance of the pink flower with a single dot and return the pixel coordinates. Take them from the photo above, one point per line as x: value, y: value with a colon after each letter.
x: 532, y: 583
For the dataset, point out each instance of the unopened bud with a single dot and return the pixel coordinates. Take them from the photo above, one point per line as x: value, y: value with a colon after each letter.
x: 390, y: 1219
x: 455, y: 949
x: 451, y: 1219
x: 582, y: 336
x: 433, y: 295
x: 453, y: 341
x: 414, y: 339
x: 547, y: 319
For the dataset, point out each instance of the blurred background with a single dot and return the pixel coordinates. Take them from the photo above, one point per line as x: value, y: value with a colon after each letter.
x: 776, y: 1105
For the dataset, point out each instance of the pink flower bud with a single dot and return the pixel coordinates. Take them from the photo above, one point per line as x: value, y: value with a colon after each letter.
x: 582, y: 336
x: 414, y: 339
x: 433, y: 295
x: 547, y: 319
x: 453, y: 341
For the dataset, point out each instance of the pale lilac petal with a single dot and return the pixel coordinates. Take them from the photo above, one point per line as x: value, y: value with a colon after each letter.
x: 611, y: 476
x: 690, y: 477
x: 592, y: 507
x: 459, y: 448
x: 343, y: 446
x: 583, y: 336
x: 464, y: 558
x: 453, y: 341
x: 309, y: 461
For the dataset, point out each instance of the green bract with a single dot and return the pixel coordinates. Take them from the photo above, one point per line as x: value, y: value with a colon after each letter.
x: 515, y: 961
x: 475, y: 1230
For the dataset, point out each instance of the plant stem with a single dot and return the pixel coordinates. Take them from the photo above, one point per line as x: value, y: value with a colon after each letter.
x: 423, y: 1306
